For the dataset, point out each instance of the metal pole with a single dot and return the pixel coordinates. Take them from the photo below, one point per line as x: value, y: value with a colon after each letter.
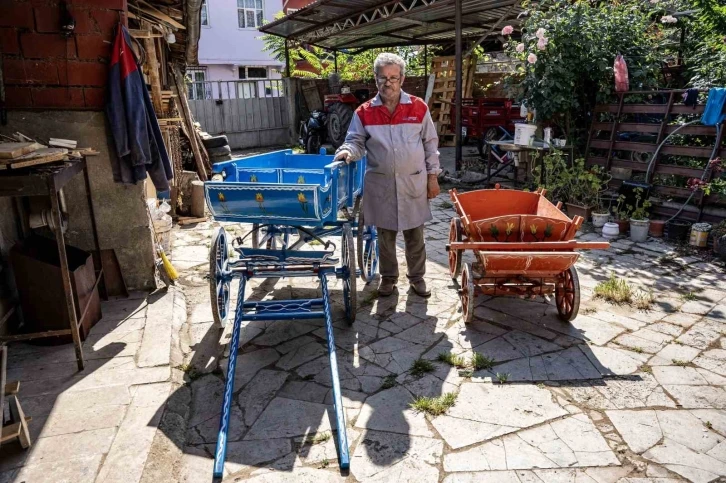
x: 335, y: 56
x: 459, y: 75
x: 287, y: 59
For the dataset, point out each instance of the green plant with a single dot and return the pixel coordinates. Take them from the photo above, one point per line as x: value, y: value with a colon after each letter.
x: 502, y: 378
x: 679, y: 363
x: 324, y: 464
x: 719, y: 230
x: 421, y: 367
x: 480, y: 361
x: 689, y: 296
x: 614, y: 290
x: 709, y: 425
x: 567, y: 51
x: 466, y: 373
x: 452, y: 359
x: 646, y: 369
x: 640, y: 210
x: 317, y: 438
x: 434, y: 406
x: 642, y: 299
x: 389, y: 381
x: 637, y: 350
x: 621, y: 211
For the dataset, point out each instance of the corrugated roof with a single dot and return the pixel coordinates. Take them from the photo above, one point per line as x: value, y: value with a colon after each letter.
x: 356, y: 24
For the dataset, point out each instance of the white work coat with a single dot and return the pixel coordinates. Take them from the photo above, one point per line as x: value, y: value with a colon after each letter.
x: 401, y: 149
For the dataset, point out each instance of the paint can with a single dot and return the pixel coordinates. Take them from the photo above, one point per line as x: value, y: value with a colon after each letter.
x: 699, y: 234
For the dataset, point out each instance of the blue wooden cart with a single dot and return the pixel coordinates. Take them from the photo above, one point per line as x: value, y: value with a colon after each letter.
x: 290, y: 200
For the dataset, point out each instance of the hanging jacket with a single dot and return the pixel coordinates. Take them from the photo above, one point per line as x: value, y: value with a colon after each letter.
x: 139, y: 146
x: 715, y: 110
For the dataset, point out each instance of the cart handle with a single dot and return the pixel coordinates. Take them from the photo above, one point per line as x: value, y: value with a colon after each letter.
x: 534, y: 246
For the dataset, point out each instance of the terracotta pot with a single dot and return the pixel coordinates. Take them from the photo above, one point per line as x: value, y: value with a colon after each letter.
x: 656, y: 228
x: 623, y: 226
x: 577, y: 210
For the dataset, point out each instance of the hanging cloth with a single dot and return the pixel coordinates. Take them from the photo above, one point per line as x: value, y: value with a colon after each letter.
x: 139, y: 145
x: 714, y: 113
x: 621, y: 74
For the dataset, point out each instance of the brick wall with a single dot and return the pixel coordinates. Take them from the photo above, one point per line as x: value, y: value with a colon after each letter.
x: 43, y: 69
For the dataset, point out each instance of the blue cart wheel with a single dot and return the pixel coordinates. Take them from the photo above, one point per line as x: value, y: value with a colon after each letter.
x: 367, y: 246
x: 347, y: 258
x: 219, y: 284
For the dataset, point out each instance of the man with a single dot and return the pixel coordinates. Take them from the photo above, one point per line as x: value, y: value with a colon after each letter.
x: 396, y: 132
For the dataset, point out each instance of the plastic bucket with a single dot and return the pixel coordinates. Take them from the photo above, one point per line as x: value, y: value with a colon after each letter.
x: 699, y: 234
x: 677, y: 231
x: 524, y: 134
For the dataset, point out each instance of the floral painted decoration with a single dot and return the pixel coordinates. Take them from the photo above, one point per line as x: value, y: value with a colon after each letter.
x: 303, y: 202
x: 253, y: 178
x: 260, y: 199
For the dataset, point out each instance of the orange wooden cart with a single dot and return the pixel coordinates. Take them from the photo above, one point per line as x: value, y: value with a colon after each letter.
x: 524, y: 246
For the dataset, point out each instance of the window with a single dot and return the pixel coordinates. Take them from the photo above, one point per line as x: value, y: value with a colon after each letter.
x: 197, y: 87
x: 205, y: 14
x: 248, y: 90
x: 249, y: 14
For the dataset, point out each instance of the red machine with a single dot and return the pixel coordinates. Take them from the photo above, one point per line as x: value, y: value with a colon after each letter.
x: 339, y: 109
x: 486, y: 119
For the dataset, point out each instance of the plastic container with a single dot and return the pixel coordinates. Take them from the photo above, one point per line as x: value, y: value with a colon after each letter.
x: 524, y: 134
x: 639, y: 230
x: 599, y: 219
x: 677, y: 231
x: 162, y: 229
x: 699, y: 234
x: 610, y: 230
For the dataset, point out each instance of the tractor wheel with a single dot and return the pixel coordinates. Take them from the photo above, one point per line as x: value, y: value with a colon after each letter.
x: 339, y: 117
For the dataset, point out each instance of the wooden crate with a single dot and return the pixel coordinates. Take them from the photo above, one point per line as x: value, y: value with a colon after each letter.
x: 444, y: 91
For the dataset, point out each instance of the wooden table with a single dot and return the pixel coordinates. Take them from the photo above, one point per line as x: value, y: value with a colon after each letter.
x: 538, y: 149
x: 48, y: 181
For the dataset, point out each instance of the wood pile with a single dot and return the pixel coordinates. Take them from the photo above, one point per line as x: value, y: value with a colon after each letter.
x: 444, y: 89
x: 22, y: 152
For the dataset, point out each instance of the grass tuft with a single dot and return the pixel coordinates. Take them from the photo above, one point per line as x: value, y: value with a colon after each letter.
x: 421, y: 367
x: 317, y: 438
x: 646, y: 368
x: 502, y: 378
x: 389, y: 381
x: 677, y: 362
x: 435, y: 406
x: 688, y: 297
x: 480, y: 361
x: 642, y: 300
x: 452, y: 360
x: 614, y: 290
x: 466, y: 373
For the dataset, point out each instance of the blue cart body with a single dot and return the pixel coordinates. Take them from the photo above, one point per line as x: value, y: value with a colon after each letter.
x: 283, y: 188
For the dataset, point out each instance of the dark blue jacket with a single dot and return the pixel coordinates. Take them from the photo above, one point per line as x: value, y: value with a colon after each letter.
x: 139, y: 145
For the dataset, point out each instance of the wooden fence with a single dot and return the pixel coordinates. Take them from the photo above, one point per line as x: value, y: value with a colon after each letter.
x: 626, y: 134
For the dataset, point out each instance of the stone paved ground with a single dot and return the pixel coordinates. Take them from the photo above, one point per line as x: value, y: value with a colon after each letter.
x: 618, y: 395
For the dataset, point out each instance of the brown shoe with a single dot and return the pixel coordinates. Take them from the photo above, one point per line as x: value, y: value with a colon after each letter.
x: 385, y: 288
x: 420, y: 289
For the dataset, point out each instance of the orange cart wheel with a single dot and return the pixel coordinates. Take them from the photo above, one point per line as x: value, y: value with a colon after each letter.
x: 455, y: 235
x: 467, y: 294
x: 567, y: 294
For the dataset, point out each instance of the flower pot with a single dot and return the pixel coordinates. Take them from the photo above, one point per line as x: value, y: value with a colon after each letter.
x: 577, y: 210
x: 719, y: 246
x: 599, y: 219
x: 610, y: 230
x: 677, y: 231
x: 656, y: 228
x: 699, y: 234
x: 623, y: 226
x: 639, y: 230
x: 621, y: 173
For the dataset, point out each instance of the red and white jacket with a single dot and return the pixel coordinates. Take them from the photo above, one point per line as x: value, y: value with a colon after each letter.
x: 401, y: 149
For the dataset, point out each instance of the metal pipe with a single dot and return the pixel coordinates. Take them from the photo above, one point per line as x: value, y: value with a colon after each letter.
x: 287, y: 59
x: 459, y: 79
x: 335, y: 57
x: 426, y: 63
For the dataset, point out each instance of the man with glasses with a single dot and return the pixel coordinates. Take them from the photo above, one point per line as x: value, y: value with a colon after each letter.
x: 396, y: 132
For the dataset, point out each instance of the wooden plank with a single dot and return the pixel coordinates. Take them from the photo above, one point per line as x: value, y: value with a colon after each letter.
x: 3, y: 380
x: 159, y: 15
x: 143, y: 34
x: 650, y: 109
x: 695, y: 151
x: 41, y: 156
x: 34, y: 335
x: 153, y: 69
x: 654, y: 127
x: 189, y: 122
x: 189, y: 221
x: 15, y: 150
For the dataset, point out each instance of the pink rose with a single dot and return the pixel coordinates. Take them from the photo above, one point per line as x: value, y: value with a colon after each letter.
x: 542, y: 43
x: 507, y: 30
x: 531, y: 58
x: 541, y: 33
x: 520, y: 48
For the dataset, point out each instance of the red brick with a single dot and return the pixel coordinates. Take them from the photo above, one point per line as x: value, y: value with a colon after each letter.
x: 16, y: 96
x: 61, y: 97
x: 108, y: 4
x: 84, y: 23
x: 106, y: 21
x: 9, y: 41
x: 83, y: 73
x: 93, y: 47
x: 14, y: 14
x: 95, y: 97
x: 47, y: 19
x: 42, y: 46
x: 30, y: 72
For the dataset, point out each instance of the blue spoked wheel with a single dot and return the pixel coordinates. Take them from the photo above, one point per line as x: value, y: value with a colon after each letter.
x: 347, y: 259
x: 367, y: 249
x: 219, y: 285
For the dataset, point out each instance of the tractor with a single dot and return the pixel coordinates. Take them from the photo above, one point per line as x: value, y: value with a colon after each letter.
x: 331, y: 124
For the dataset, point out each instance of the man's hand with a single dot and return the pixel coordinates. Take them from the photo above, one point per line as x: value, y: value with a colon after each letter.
x: 432, y: 187
x: 343, y: 155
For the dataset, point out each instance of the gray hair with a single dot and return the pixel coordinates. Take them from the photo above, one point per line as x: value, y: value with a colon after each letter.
x: 387, y: 58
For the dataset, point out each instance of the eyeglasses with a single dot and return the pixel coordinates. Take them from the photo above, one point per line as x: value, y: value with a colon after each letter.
x: 392, y: 80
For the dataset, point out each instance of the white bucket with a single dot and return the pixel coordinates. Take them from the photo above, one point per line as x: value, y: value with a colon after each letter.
x: 162, y: 228
x: 524, y: 134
